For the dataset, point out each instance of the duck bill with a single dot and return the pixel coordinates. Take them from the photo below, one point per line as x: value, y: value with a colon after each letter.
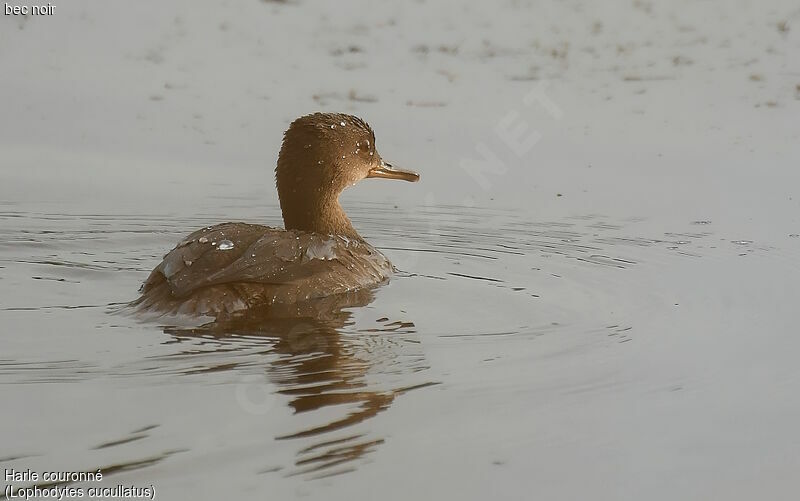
x: 387, y: 171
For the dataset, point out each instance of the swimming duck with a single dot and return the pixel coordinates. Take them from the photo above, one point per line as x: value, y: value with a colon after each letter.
x: 231, y: 268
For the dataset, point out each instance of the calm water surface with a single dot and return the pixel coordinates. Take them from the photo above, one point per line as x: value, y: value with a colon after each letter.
x: 607, y: 311
x: 487, y: 304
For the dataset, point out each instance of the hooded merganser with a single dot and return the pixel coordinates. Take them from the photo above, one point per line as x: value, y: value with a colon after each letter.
x: 233, y: 267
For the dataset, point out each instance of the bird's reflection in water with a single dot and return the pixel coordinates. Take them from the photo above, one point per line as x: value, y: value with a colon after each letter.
x: 317, y: 357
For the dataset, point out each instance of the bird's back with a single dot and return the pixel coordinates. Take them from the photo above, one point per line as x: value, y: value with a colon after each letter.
x: 234, y: 267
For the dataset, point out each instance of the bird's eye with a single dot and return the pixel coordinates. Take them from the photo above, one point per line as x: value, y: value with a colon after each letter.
x: 363, y: 147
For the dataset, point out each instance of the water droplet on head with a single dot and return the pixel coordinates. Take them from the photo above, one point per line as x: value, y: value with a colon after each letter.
x: 225, y: 245
x: 342, y: 124
x: 333, y: 126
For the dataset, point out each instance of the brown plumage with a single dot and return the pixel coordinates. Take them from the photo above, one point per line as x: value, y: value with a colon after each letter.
x: 231, y: 268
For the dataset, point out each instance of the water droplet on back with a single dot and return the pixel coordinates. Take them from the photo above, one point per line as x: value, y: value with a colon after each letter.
x: 225, y: 245
x: 324, y: 250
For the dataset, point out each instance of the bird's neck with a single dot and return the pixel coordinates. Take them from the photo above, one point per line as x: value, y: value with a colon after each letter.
x: 322, y: 215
